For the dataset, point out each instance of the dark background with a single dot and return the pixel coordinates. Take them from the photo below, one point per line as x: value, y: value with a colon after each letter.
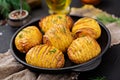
x: 110, y: 65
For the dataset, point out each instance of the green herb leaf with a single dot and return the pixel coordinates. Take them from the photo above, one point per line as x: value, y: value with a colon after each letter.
x: 59, y: 17
x: 26, y: 6
x: 8, y: 5
x: 20, y: 36
x: 16, y: 4
x: 108, y: 19
x: 52, y: 51
x: 5, y: 8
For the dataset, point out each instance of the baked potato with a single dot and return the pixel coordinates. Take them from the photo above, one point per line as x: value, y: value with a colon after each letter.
x: 83, y: 49
x: 45, y: 56
x: 27, y: 38
x: 58, y: 36
x: 86, y: 26
x: 52, y: 20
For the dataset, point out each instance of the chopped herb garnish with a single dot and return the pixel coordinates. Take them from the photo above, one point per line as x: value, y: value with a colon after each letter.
x: 26, y: 31
x: 52, y: 51
x: 59, y: 17
x: 42, y: 31
x: 20, y: 36
x: 54, y: 21
x: 65, y: 20
x: 83, y: 35
x: 64, y: 30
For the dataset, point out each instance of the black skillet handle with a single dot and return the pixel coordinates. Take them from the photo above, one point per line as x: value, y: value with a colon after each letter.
x: 88, y: 67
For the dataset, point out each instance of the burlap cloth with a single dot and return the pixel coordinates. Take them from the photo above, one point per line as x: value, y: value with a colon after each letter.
x: 10, y: 69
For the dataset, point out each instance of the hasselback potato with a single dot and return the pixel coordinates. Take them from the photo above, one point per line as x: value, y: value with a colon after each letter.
x: 58, y: 36
x: 52, y: 20
x: 27, y: 38
x: 45, y: 56
x: 83, y: 49
x: 87, y: 26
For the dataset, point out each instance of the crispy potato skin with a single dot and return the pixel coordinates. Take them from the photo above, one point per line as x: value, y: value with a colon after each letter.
x: 58, y: 36
x: 45, y: 56
x: 87, y: 26
x: 52, y: 20
x: 27, y: 38
x: 83, y: 49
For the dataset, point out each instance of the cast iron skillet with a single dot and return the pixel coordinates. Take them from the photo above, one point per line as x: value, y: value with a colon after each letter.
x: 104, y: 41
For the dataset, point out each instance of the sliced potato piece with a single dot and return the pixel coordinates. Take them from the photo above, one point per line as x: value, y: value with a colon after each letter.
x: 45, y: 56
x: 83, y: 49
x: 27, y: 38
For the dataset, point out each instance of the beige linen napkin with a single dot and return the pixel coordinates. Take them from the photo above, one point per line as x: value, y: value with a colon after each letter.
x: 10, y: 69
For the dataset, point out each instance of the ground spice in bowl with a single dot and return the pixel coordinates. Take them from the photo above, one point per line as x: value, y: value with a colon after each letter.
x: 17, y: 18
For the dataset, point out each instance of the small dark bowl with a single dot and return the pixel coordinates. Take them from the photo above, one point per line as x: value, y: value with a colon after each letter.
x: 19, y: 21
x: 104, y: 41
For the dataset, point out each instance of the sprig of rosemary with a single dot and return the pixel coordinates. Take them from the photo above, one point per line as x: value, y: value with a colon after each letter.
x: 108, y: 19
x: 4, y: 8
x: 8, y: 5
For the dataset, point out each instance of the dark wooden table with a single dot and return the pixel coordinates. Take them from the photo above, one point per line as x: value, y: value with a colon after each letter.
x: 110, y: 65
